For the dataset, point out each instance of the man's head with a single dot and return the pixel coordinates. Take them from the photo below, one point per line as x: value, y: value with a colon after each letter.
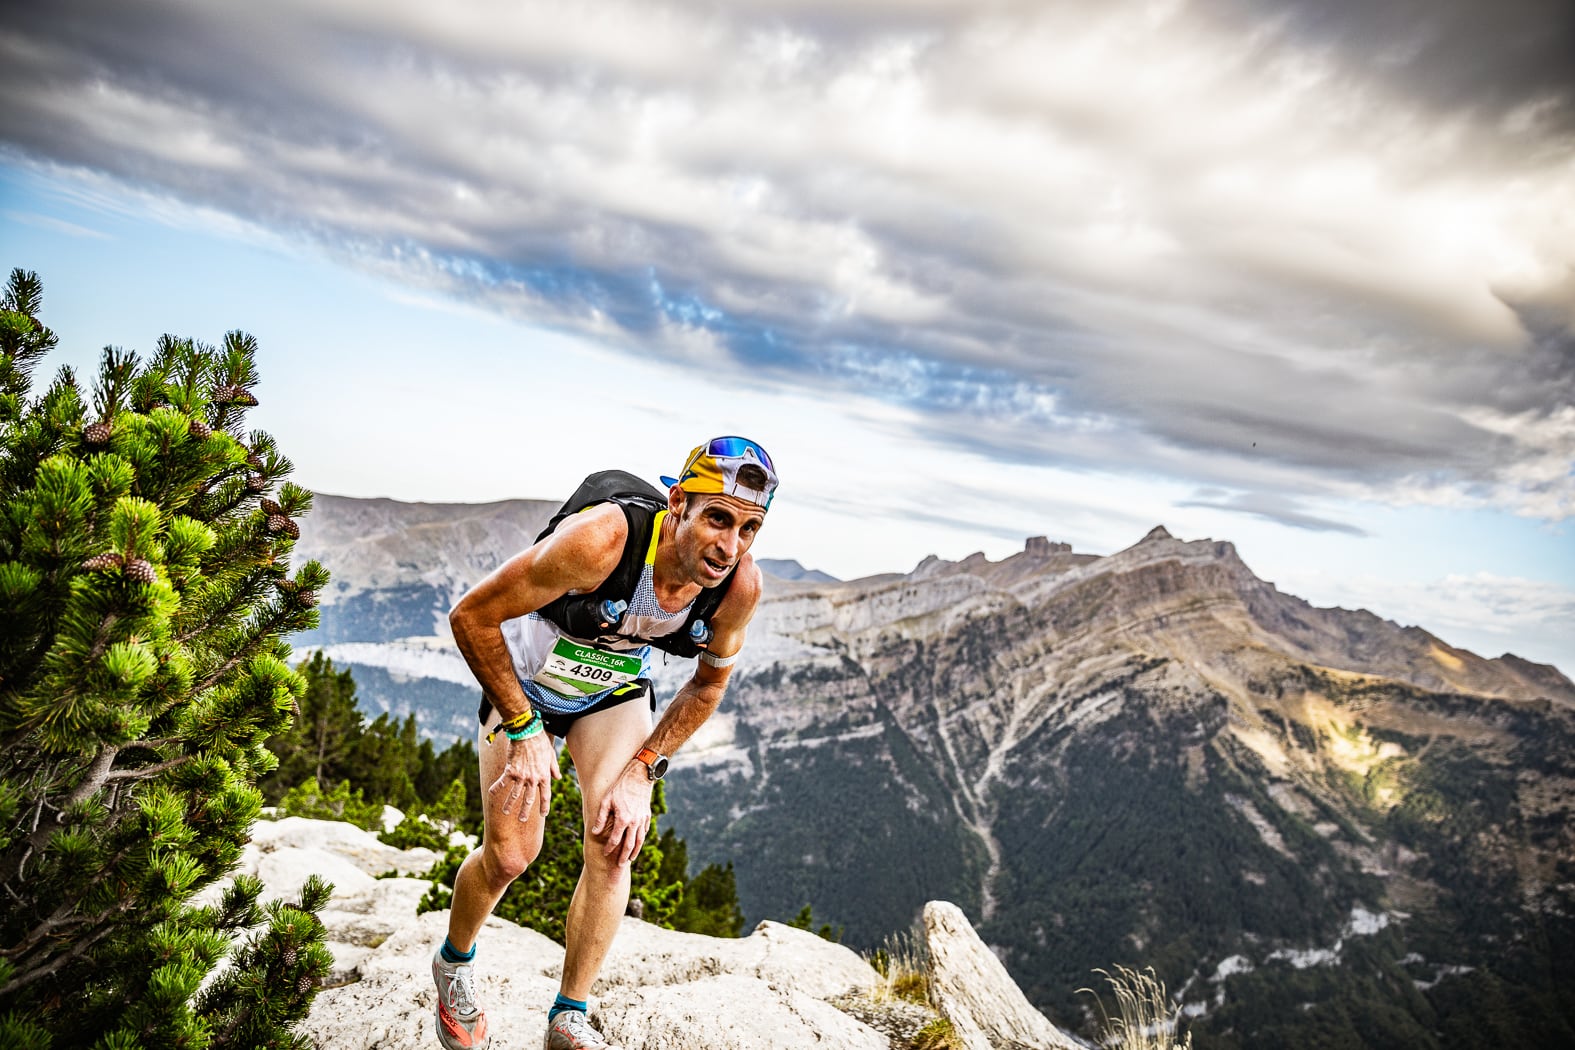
x: 729, y: 466
x: 719, y: 502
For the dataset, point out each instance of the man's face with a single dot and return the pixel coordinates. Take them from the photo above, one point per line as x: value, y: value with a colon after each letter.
x: 713, y: 533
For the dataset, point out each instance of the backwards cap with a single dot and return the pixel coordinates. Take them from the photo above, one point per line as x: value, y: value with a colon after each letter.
x: 715, y: 467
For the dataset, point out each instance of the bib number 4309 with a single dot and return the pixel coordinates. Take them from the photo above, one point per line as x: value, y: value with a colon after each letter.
x: 573, y: 669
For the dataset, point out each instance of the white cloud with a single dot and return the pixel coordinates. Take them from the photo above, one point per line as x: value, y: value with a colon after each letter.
x: 1485, y: 612
x: 1175, y: 238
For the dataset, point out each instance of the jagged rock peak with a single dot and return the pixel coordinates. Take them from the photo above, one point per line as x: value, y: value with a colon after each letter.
x: 1158, y: 532
x: 1041, y: 547
x: 971, y: 987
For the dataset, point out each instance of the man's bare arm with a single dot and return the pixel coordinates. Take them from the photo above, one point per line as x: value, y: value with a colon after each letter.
x: 625, y: 812
x: 578, y: 557
x: 698, y: 698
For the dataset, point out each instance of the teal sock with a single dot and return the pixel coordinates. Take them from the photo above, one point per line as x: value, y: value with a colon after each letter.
x: 562, y: 1003
x: 452, y: 954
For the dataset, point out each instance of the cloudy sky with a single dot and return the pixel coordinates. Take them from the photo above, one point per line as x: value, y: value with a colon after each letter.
x: 1298, y: 275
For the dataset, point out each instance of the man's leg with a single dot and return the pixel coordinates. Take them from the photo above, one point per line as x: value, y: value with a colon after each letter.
x: 508, y: 845
x: 602, y: 744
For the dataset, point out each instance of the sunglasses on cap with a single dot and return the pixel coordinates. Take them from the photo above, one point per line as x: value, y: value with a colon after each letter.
x: 733, y: 447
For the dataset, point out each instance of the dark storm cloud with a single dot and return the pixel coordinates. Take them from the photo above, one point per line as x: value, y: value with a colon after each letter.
x: 1271, y: 248
x: 1492, y: 59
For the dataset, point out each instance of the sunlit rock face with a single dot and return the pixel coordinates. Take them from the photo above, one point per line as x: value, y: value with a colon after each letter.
x: 1149, y: 758
x: 779, y: 987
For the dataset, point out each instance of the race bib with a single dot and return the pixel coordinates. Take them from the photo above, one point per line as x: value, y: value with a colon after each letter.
x: 572, y: 669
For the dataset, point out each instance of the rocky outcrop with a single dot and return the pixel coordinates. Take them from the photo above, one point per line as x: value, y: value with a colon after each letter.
x: 974, y: 992
x: 780, y: 988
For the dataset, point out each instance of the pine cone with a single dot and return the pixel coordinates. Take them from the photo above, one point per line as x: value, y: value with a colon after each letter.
x: 140, y: 570
x: 271, y: 508
x: 96, y: 433
x: 223, y: 394
x: 285, y: 586
x: 255, y: 483
x: 288, y: 957
x: 304, y: 985
x: 280, y: 523
x: 200, y: 430
x: 241, y: 396
x: 254, y: 461
x: 307, y: 598
x: 103, y: 562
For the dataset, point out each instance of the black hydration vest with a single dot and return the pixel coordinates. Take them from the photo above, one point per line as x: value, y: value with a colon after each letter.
x: 580, y: 615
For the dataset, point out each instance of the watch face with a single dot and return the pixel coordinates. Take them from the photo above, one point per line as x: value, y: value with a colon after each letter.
x: 658, y: 769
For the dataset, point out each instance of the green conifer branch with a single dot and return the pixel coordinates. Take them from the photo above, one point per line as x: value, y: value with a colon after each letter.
x: 140, y: 673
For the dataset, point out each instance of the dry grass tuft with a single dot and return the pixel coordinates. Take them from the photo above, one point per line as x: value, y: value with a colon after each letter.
x: 1145, y: 1017
x: 937, y: 1035
x: 903, y: 962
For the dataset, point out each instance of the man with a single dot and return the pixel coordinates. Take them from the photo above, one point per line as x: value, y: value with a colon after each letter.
x: 541, y: 681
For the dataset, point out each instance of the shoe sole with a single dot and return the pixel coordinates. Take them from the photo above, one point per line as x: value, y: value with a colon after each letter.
x: 437, y: 1028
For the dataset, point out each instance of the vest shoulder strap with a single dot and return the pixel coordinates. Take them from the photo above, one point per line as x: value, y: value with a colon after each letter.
x: 643, y: 510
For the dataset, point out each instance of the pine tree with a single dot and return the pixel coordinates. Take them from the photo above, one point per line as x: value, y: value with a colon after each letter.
x: 805, y: 920
x: 458, y: 761
x: 141, y: 671
x: 320, y: 742
x: 383, y: 761
x: 709, y: 902
x: 340, y: 802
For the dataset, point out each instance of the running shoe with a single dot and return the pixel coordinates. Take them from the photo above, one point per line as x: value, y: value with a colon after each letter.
x: 460, y: 1023
x: 571, y: 1030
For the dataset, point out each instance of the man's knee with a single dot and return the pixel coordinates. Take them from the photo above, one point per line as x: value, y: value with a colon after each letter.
x: 599, y: 865
x: 506, y: 862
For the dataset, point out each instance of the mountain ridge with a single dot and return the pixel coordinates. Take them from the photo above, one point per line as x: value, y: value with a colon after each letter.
x: 382, y: 543
x: 1045, y: 739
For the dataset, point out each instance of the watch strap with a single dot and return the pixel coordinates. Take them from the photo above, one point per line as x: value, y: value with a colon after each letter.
x: 655, y: 763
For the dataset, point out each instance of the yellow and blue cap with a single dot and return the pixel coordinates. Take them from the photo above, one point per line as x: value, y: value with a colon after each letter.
x: 730, y: 466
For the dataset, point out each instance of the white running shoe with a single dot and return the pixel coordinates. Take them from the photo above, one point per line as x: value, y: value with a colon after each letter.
x: 460, y: 1023
x: 571, y: 1030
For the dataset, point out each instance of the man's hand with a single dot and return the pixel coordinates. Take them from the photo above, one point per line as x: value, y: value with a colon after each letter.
x: 527, y: 776
x: 625, y: 813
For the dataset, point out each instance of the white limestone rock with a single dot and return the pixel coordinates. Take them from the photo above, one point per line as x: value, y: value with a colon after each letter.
x: 391, y: 1006
x: 660, y: 989
x: 729, y: 1012
x: 355, y: 845
x: 785, y: 958
x: 974, y: 992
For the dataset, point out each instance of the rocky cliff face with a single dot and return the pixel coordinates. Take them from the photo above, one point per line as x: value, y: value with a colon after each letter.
x: 1319, y: 824
x: 1156, y: 757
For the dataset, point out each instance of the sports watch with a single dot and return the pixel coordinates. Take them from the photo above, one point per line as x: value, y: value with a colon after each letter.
x: 655, y: 763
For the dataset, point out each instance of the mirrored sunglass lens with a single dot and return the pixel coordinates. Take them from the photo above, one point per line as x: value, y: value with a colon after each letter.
x: 735, y: 446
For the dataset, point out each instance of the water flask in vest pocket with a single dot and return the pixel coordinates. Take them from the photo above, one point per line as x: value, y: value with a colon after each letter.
x: 611, y: 612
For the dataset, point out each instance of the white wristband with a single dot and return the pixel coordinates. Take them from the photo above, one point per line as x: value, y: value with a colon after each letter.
x: 717, y: 661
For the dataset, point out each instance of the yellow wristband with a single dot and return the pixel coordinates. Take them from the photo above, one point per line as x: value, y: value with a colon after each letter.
x: 520, y: 727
